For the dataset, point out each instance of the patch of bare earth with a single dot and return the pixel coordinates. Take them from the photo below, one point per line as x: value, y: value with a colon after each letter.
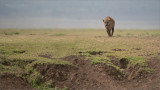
x: 81, y: 75
x: 150, y: 81
x: 86, y: 76
x: 12, y: 82
x: 133, y: 79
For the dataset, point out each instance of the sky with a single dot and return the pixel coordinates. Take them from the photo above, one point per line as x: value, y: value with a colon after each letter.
x: 128, y: 14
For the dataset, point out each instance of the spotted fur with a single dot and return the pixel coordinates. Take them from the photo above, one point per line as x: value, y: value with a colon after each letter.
x: 109, y: 23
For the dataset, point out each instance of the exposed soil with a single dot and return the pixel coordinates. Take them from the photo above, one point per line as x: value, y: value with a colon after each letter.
x: 46, y: 55
x: 19, y: 51
x: 11, y: 82
x: 82, y: 75
x: 116, y: 49
x: 95, y: 52
x: 86, y: 76
x: 123, y: 62
x: 136, y: 48
x: 142, y: 80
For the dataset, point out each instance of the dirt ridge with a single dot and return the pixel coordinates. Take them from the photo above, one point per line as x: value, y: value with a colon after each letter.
x: 84, y: 75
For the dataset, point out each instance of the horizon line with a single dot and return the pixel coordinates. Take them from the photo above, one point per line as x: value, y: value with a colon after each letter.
x: 76, y: 28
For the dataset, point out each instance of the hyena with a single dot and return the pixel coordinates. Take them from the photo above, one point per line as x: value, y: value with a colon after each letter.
x: 109, y: 23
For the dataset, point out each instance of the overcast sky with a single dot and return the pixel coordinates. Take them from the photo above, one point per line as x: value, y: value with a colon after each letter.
x: 143, y: 14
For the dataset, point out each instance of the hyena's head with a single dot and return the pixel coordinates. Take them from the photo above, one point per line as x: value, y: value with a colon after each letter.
x: 107, y: 22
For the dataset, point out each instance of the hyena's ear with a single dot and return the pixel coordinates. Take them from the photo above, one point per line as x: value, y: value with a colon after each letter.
x: 103, y: 20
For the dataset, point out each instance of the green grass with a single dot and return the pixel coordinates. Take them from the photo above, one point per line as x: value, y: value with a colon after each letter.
x: 34, y: 78
x: 22, y: 49
x: 11, y: 33
x: 136, y: 60
x: 98, y: 59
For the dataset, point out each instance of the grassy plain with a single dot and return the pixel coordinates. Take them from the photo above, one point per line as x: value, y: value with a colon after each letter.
x: 20, y: 49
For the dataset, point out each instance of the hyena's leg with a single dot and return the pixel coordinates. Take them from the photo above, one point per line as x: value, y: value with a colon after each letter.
x: 112, y: 31
x: 109, y: 32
